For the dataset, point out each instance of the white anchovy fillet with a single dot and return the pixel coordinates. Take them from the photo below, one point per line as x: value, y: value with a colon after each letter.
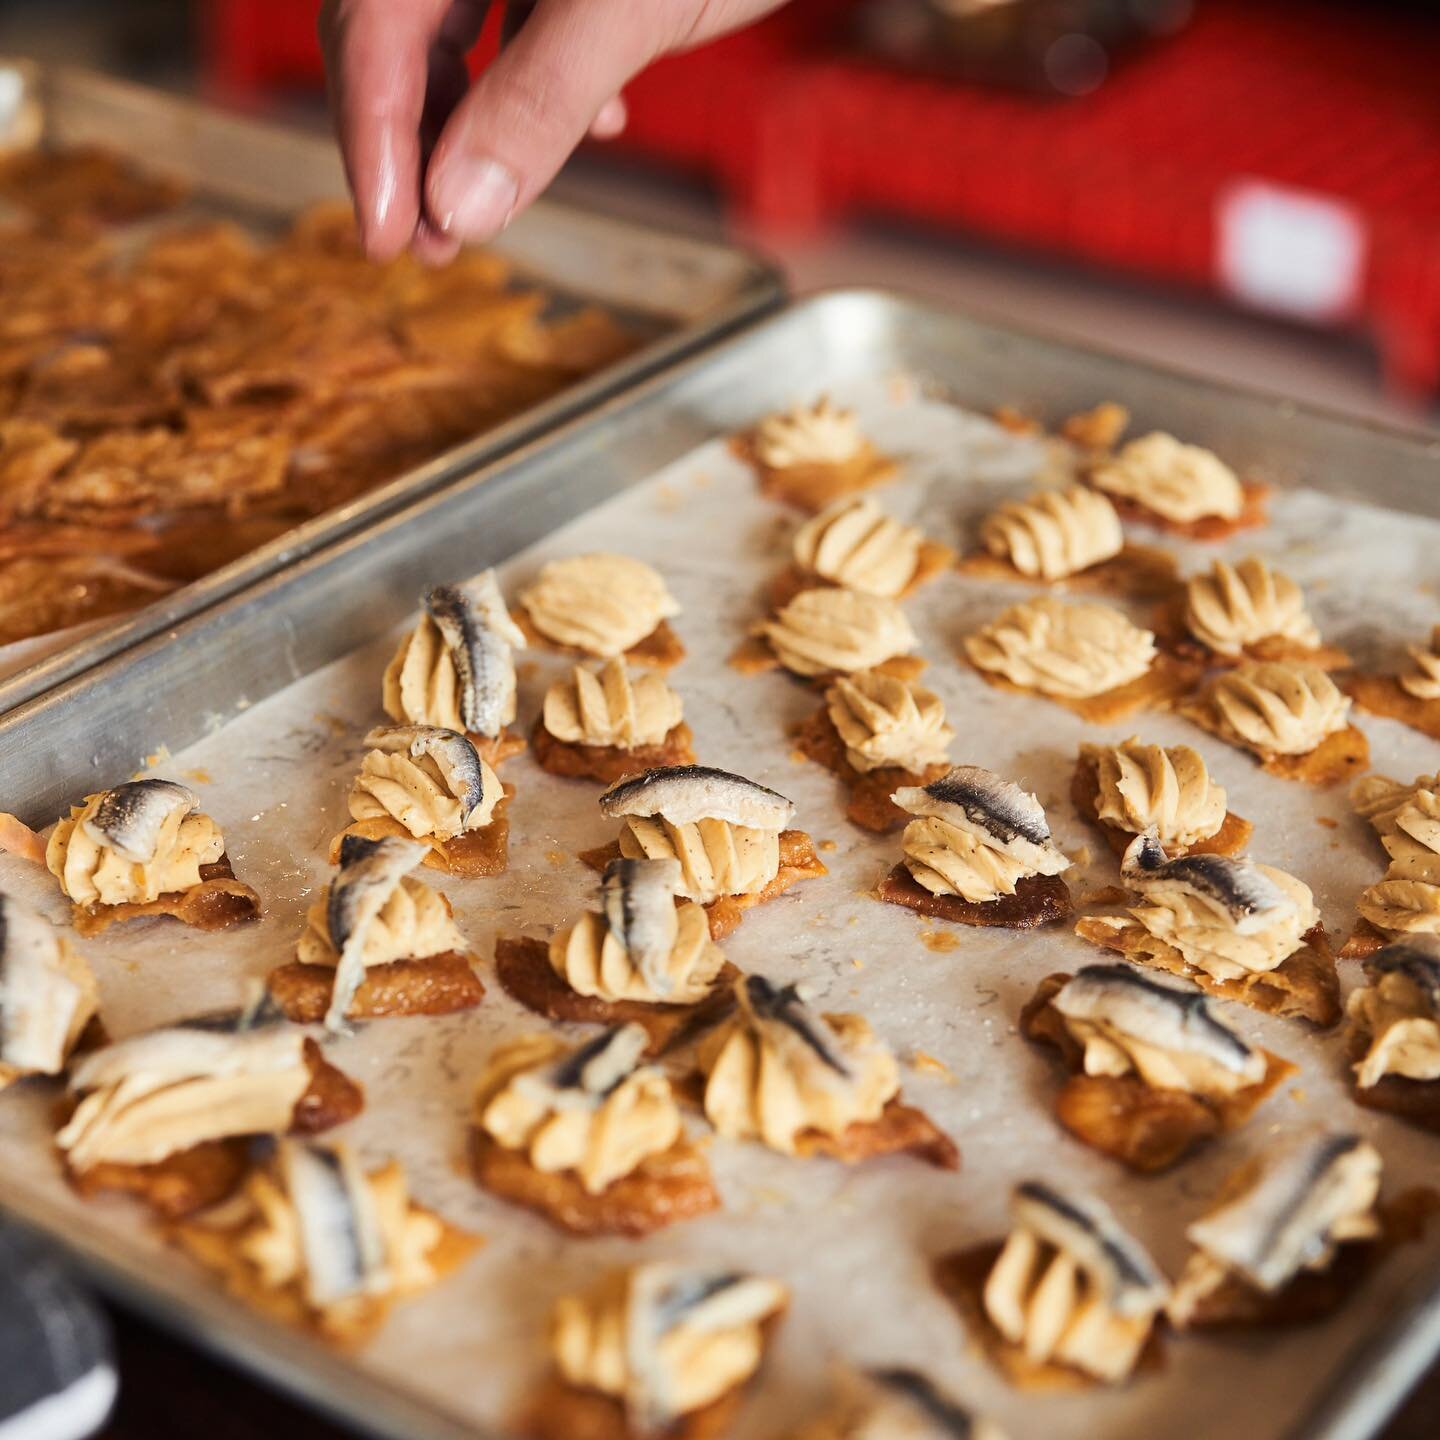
x: 1085, y: 1229
x: 941, y: 1415
x: 130, y: 817
x: 340, y: 1234
x: 684, y: 794
x: 786, y: 1006
x: 369, y: 872
x: 1162, y: 1010
x: 663, y: 1296
x: 1239, y: 887
x: 38, y: 999
x: 479, y: 634
x: 458, y: 760
x: 639, y: 902
x: 1417, y: 958
x: 591, y: 1072
x: 206, y: 1046
x: 981, y: 802
x: 1286, y: 1221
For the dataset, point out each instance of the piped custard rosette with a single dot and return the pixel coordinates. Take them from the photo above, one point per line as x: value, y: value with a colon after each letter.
x: 804, y: 1083
x: 1289, y: 1237
x: 1239, y: 930
x: 645, y: 956
x: 48, y: 997
x: 590, y: 1136
x: 1070, y: 1296
x: 897, y: 1403
x: 146, y: 848
x: 166, y: 1115
x: 423, y: 782
x: 607, y: 724
x: 1155, y: 1071
x: 1405, y: 902
x: 456, y: 668
x: 727, y: 833
x: 979, y: 852
x: 1411, y: 696
x: 315, y: 1240
x: 662, y: 1348
x: 1393, y: 1039
x: 812, y: 455
x: 378, y: 943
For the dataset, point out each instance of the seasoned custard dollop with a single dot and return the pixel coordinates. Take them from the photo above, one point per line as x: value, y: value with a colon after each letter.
x: 886, y: 721
x: 1165, y: 789
x: 665, y: 1339
x: 1423, y: 680
x: 855, y: 544
x: 818, y: 434
x: 1407, y: 820
x: 1397, y: 1015
x: 432, y: 781
x: 1180, y: 482
x: 601, y: 604
x: 1276, y: 707
x: 1054, y: 533
x: 1068, y: 650
x: 595, y: 1111
x: 611, y: 707
x: 132, y: 844
x: 779, y: 1069
x: 593, y: 960
x: 413, y: 923
x: 828, y: 631
x: 1232, y: 606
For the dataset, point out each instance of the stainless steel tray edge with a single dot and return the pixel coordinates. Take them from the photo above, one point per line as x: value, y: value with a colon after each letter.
x: 288, y: 169
x: 93, y: 728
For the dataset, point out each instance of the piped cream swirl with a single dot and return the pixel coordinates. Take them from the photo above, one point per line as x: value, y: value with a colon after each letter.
x: 413, y: 923
x: 1180, y: 482
x: 828, y: 631
x: 1276, y: 708
x: 1423, y: 682
x: 1230, y: 607
x: 1068, y: 650
x: 886, y: 721
x: 1054, y: 533
x: 590, y: 958
x: 611, y: 707
x: 855, y: 544
x: 1165, y: 789
x: 412, y: 790
x: 716, y: 857
x: 600, y: 604
x: 818, y: 434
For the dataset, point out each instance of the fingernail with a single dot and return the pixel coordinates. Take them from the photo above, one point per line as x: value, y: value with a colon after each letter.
x: 475, y: 198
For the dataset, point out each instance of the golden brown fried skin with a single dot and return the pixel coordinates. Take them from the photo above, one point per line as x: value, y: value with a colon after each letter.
x: 1121, y: 1116
x: 663, y: 1190
x: 1304, y: 985
x: 471, y: 854
x: 798, y: 861
x: 960, y: 1278
x: 1230, y: 839
x: 1254, y: 512
x: 609, y: 763
x: 217, y: 901
x: 755, y: 656
x: 1038, y: 900
x: 1163, y: 686
x: 525, y: 973
x: 1385, y: 695
x: 205, y: 1174
x: 1138, y: 572
x: 869, y: 805
x: 437, y: 985
x: 812, y: 487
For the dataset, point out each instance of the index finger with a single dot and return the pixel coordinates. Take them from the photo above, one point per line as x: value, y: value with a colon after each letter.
x: 376, y: 69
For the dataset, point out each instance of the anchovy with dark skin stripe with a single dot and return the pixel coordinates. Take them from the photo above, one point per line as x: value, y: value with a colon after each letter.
x: 786, y: 1006
x: 130, y: 818
x: 340, y: 1240
x: 638, y: 897
x: 921, y: 1393
x: 1085, y: 1230
x: 1161, y: 1010
x: 998, y: 806
x: 600, y: 1066
x: 1417, y: 958
x: 38, y: 999
x: 479, y: 636
x: 1253, y: 901
x: 684, y: 794
x: 456, y: 758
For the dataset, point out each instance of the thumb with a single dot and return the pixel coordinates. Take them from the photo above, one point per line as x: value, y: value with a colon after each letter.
x: 532, y: 107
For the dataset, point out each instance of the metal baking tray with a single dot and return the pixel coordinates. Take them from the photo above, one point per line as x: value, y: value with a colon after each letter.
x: 674, y: 291
x: 208, y: 669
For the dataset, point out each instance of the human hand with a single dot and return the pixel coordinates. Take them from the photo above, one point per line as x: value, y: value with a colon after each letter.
x: 434, y: 160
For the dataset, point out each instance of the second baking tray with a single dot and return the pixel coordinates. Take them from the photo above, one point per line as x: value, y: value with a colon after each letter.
x: 196, y: 683
x: 675, y: 293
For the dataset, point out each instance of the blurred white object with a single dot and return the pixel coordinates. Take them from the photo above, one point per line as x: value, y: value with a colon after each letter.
x: 57, y: 1375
